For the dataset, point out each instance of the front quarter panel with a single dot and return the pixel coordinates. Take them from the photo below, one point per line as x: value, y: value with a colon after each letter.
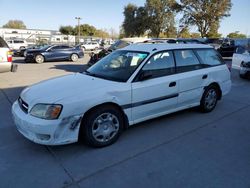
x: 80, y: 103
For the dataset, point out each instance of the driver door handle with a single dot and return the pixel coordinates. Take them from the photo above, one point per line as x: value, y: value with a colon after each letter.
x: 172, y: 84
x: 204, y: 77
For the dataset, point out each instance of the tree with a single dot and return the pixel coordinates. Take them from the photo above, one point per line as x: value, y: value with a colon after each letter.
x: 86, y: 30
x: 213, y: 31
x: 129, y: 21
x: 161, y: 17
x: 195, y: 35
x: 67, y: 30
x: 205, y: 14
x: 15, y: 24
x: 184, y: 33
x: 141, y: 21
x: 101, y: 33
x: 236, y: 34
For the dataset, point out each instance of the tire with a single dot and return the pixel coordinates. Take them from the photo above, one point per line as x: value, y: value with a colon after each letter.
x: 74, y: 57
x: 39, y: 59
x: 102, y: 126
x: 209, y: 99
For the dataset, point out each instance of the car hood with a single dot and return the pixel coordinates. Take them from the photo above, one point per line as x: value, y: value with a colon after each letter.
x: 56, y: 89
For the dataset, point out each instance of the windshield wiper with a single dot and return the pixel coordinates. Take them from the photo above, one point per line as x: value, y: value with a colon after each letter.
x: 89, y: 73
x: 105, y: 77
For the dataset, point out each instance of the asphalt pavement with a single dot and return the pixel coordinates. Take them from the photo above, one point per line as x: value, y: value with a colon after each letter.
x: 184, y: 149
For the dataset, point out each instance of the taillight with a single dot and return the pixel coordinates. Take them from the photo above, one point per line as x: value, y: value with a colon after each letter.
x: 9, y: 56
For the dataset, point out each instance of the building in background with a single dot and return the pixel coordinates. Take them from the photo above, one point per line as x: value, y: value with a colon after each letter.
x: 37, y: 36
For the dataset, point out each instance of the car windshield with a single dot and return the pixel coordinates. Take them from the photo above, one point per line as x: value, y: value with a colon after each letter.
x: 117, y: 66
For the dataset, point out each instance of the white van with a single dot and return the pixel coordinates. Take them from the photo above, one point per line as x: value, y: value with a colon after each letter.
x: 130, y: 85
x: 17, y: 44
x: 6, y: 64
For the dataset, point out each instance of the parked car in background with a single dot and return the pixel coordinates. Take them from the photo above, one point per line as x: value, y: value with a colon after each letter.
x: 130, y: 85
x: 54, y: 53
x: 6, y: 64
x: 93, y: 45
x: 16, y: 45
x: 215, y: 42
x: 229, y: 46
x: 97, y: 55
x: 23, y: 52
x: 241, y: 61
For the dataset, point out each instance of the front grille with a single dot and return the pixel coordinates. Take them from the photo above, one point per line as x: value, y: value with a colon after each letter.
x: 23, y: 105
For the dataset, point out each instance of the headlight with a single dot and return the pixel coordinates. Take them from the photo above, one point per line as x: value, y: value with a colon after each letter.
x: 46, y: 111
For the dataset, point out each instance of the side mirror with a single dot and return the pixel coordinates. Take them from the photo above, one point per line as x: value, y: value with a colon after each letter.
x: 145, y: 75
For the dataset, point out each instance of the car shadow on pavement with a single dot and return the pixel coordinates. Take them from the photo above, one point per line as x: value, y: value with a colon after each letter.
x: 71, y: 68
x: 19, y: 61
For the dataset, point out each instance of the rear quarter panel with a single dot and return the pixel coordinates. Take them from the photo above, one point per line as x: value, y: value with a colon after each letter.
x: 221, y: 75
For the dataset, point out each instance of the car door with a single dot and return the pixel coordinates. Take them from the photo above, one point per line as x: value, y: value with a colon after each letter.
x: 192, y: 77
x: 155, y: 90
x: 53, y: 53
x: 65, y: 52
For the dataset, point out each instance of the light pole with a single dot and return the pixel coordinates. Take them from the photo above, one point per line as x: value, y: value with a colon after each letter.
x: 78, y: 20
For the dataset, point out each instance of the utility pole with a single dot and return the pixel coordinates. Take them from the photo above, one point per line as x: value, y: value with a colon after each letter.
x: 78, y: 20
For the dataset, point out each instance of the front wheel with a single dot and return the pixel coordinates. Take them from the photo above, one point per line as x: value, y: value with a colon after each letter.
x: 209, y: 99
x: 74, y: 57
x: 39, y: 59
x: 102, y: 126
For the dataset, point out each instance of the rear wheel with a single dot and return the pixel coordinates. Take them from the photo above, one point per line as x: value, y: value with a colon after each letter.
x: 74, y: 57
x: 102, y: 126
x: 39, y: 59
x: 209, y: 99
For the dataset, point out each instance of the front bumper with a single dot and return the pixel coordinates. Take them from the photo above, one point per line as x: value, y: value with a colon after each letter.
x: 46, y: 132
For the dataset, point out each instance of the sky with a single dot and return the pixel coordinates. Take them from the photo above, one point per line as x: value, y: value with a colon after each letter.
x: 103, y: 14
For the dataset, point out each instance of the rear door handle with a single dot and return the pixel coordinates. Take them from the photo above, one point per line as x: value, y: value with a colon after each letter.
x: 204, y: 76
x: 172, y: 84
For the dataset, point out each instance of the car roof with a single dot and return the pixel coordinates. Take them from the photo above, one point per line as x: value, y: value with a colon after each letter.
x: 135, y: 39
x: 163, y: 46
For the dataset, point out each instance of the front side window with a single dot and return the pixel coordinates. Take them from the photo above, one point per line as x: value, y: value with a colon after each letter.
x: 56, y: 48
x: 117, y: 66
x: 160, y: 64
x: 209, y: 57
x: 186, y: 61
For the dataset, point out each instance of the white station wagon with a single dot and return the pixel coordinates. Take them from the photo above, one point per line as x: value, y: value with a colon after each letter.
x: 131, y: 85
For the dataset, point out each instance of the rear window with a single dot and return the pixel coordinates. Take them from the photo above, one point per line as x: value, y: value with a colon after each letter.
x: 3, y: 44
x: 209, y: 57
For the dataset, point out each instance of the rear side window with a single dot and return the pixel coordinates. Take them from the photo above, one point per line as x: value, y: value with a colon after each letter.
x: 186, y: 61
x: 3, y: 44
x: 209, y: 57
